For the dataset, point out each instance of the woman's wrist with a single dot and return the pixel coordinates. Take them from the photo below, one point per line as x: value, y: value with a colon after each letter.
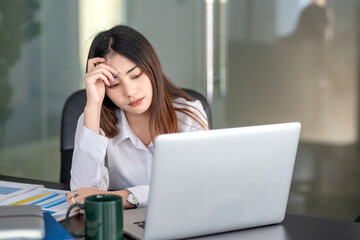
x: 124, y: 194
x: 93, y: 106
x: 92, y: 117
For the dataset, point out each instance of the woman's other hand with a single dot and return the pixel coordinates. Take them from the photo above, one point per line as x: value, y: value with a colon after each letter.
x: 79, y: 195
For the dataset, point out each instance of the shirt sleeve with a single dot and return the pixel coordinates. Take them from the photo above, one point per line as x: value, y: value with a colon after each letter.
x: 88, y: 163
x: 195, y: 126
x: 141, y: 193
x: 187, y: 123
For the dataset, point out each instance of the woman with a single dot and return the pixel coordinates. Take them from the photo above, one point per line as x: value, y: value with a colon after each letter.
x: 129, y: 102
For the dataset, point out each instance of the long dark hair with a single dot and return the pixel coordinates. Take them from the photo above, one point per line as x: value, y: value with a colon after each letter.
x: 133, y: 45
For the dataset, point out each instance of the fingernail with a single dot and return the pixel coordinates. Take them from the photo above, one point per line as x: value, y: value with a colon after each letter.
x: 118, y: 73
x: 114, y: 79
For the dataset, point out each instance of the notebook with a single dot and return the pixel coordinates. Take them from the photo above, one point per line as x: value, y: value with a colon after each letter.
x: 216, y: 181
x: 54, y: 230
x: 21, y: 222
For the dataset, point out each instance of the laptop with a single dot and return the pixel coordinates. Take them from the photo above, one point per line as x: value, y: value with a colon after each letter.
x: 216, y: 181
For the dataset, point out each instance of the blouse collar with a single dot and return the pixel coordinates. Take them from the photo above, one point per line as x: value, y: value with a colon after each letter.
x: 125, y: 132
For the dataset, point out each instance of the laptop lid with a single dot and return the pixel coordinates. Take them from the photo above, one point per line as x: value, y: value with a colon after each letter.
x: 220, y: 180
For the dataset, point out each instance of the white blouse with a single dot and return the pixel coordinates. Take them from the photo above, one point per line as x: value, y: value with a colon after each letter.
x: 122, y: 162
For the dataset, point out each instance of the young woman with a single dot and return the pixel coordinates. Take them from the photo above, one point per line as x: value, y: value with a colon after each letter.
x: 129, y: 102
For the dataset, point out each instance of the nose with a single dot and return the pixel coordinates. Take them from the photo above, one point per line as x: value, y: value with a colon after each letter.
x: 129, y: 89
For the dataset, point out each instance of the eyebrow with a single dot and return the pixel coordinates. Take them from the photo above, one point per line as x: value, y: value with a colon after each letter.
x: 131, y: 70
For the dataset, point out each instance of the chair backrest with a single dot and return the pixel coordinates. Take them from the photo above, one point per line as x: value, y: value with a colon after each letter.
x: 73, y: 108
x: 203, y: 101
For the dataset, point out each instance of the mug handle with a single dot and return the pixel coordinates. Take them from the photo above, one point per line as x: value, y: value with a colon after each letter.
x: 77, y: 235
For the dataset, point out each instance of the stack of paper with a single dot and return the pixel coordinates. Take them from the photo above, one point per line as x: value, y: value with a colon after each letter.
x: 11, y: 189
x: 52, y: 201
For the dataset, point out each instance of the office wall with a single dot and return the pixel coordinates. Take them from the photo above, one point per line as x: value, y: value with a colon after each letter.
x: 175, y: 29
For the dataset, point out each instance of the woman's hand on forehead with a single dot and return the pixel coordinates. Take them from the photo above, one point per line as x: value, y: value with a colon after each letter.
x: 98, y: 76
x: 103, y: 71
x: 95, y: 63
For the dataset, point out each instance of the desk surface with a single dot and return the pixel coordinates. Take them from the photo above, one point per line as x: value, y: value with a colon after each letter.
x: 294, y: 227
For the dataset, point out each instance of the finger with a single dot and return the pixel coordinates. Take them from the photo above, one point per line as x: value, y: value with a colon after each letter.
x: 108, y: 74
x: 70, y: 194
x: 80, y: 200
x: 105, y: 75
x: 69, y: 201
x: 103, y: 78
x: 93, y: 61
x: 76, y: 209
x: 112, y: 70
x: 96, y: 76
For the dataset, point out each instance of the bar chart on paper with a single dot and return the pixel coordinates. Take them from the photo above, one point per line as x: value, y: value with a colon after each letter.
x: 11, y: 189
x: 50, y: 200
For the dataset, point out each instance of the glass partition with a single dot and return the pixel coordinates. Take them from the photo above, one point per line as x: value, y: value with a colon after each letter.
x: 44, y: 46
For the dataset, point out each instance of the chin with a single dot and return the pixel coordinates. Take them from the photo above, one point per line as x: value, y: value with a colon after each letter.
x: 136, y: 111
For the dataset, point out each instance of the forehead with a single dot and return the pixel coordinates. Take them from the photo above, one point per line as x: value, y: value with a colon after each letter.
x: 119, y: 62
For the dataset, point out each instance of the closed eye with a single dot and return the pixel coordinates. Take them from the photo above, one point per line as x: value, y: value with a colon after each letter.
x: 137, y: 76
x: 117, y: 84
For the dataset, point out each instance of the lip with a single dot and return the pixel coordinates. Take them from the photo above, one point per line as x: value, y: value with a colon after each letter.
x: 137, y: 102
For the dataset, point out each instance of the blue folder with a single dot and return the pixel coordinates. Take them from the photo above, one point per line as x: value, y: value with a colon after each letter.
x: 53, y: 229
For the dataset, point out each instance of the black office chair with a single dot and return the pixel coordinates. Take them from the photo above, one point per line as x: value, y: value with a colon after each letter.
x: 203, y: 101
x: 73, y: 108
x: 357, y: 219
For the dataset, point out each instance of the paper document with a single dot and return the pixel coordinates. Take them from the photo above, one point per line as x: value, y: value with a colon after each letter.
x: 52, y: 201
x: 10, y: 189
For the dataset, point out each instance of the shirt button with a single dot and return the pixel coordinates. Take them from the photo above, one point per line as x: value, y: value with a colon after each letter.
x: 102, y: 145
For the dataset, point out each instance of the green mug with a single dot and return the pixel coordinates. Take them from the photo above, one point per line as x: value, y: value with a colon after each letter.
x: 103, y: 217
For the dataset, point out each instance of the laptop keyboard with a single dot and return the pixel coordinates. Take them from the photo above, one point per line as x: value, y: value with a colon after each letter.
x: 140, y: 224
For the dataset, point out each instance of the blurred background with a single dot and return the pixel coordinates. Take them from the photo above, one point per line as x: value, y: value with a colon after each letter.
x: 257, y: 61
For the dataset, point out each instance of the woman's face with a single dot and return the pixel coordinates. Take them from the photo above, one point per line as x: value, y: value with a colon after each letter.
x: 132, y: 90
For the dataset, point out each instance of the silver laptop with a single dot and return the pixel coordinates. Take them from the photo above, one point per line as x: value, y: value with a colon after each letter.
x: 216, y: 181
